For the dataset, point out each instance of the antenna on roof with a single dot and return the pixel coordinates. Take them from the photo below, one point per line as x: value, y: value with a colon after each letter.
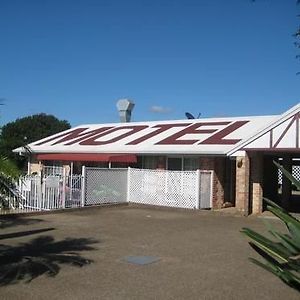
x: 190, y: 116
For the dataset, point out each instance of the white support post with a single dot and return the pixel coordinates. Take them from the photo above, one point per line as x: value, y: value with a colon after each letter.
x: 28, y: 168
x: 42, y: 192
x: 211, y: 188
x: 197, y: 206
x: 83, y: 177
x: 63, y: 192
x: 71, y: 182
x: 128, y: 184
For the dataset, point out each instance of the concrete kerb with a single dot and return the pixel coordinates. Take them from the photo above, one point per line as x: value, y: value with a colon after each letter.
x: 232, y: 211
x: 58, y: 211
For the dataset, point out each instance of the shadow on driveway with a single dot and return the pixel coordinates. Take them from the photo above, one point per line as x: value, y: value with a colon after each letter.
x: 23, y: 233
x: 15, y: 220
x: 42, y: 255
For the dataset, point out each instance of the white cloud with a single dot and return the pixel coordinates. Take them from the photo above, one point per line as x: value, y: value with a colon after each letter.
x: 159, y: 109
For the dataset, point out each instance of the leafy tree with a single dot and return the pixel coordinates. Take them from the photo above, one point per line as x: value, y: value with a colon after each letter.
x: 8, y: 175
x: 27, y: 130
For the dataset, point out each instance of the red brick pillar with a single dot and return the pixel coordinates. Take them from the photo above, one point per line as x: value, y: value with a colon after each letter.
x: 257, y: 183
x: 242, y: 184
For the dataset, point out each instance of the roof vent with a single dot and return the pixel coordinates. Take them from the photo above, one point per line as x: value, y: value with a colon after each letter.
x: 125, y: 107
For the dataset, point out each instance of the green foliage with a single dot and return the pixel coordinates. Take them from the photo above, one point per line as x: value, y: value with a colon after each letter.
x: 106, y: 192
x: 8, y: 175
x: 282, y: 253
x: 27, y: 130
x: 288, y: 175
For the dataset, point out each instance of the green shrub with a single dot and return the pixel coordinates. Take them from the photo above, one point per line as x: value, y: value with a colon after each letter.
x: 282, y: 253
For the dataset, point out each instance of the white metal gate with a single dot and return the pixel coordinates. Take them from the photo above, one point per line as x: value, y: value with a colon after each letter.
x: 50, y: 192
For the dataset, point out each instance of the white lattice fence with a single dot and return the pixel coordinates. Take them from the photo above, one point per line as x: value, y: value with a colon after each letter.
x: 181, y: 189
x: 105, y: 186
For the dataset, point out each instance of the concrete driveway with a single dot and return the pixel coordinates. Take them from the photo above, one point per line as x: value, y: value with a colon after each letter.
x: 201, y: 255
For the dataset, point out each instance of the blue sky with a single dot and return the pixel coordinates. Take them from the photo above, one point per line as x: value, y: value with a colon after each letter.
x: 76, y: 58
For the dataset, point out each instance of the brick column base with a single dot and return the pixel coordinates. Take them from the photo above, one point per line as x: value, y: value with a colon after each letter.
x: 242, y: 184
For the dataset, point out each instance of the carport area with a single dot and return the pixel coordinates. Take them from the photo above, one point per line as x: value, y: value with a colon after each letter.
x: 278, y: 187
x: 258, y: 177
x: 199, y: 255
x: 264, y: 180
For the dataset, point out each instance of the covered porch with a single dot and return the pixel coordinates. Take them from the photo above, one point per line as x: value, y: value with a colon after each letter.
x: 258, y: 176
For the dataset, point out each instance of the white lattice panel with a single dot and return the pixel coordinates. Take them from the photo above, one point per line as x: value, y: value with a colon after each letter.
x: 105, y: 186
x: 163, y: 188
x: 295, y: 172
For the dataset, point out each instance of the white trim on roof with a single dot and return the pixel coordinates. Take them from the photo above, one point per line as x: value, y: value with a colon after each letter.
x: 276, y: 129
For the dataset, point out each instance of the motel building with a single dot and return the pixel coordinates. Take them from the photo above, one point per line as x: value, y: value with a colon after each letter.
x: 238, y: 151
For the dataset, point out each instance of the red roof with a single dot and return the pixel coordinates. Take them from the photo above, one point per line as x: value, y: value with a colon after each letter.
x: 122, y: 158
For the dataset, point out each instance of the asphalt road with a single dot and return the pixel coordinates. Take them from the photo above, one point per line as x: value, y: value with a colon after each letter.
x: 202, y: 255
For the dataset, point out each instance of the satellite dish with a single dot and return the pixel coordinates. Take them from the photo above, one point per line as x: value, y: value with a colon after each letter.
x: 190, y: 116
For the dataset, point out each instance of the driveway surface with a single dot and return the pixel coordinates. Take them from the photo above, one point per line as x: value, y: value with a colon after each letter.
x: 202, y: 255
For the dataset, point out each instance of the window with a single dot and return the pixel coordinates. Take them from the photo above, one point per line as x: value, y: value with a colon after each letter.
x: 190, y: 163
x: 150, y: 162
x: 175, y: 163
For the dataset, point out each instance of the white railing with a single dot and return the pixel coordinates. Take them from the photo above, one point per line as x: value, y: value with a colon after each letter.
x: 50, y: 192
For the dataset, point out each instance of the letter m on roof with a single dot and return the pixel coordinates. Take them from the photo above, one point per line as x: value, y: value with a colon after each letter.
x: 73, y: 136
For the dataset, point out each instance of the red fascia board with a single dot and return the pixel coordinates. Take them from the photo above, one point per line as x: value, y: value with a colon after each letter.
x: 103, y: 157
